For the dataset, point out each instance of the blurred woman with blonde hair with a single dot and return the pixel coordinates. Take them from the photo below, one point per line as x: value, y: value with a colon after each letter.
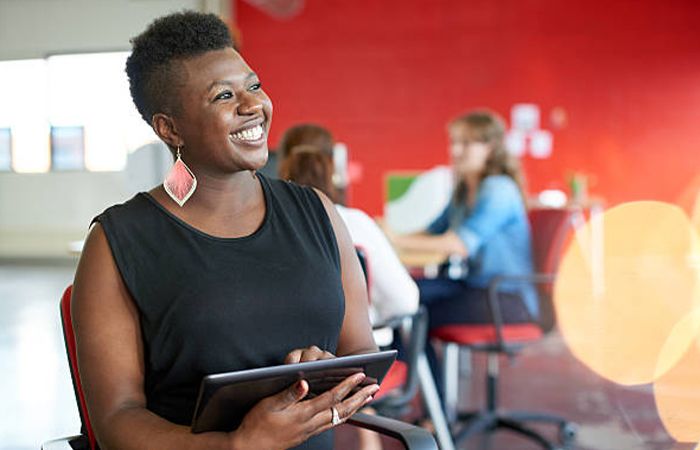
x: 485, y: 224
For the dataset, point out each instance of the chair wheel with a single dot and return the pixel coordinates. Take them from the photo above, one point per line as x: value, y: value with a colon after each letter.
x: 567, y: 432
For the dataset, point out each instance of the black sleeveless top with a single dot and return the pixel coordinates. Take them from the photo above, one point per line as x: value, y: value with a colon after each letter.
x: 209, y: 304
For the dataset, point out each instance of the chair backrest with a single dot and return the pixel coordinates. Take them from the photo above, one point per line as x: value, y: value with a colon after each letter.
x: 412, y: 348
x: 69, y: 340
x: 550, y: 230
x: 364, y: 263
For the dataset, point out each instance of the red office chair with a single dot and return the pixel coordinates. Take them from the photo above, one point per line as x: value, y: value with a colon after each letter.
x: 410, y: 436
x: 550, y: 229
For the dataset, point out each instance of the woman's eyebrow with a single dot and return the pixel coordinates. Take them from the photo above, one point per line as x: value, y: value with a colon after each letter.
x: 229, y: 83
x: 218, y: 83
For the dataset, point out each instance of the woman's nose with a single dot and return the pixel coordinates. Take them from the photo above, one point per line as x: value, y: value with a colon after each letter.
x: 249, y: 105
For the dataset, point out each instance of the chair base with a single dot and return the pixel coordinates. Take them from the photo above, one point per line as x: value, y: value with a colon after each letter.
x: 486, y: 421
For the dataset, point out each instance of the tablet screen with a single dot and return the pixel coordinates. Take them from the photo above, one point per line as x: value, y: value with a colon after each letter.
x: 225, y: 398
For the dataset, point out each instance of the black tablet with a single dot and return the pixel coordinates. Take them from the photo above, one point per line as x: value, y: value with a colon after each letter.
x: 225, y: 398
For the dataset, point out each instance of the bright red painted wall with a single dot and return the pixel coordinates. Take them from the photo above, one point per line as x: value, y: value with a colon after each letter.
x: 386, y: 75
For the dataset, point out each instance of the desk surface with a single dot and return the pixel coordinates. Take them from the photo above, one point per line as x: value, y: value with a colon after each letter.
x: 421, y: 259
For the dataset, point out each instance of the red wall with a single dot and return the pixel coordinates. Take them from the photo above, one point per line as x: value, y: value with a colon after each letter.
x: 385, y: 76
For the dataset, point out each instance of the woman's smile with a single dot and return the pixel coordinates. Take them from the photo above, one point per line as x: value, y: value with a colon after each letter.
x: 253, y: 135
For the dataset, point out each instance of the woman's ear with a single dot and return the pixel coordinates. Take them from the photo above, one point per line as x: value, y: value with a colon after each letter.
x: 165, y: 128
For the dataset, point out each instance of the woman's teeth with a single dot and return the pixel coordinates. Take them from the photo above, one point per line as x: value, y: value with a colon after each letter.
x: 250, y: 134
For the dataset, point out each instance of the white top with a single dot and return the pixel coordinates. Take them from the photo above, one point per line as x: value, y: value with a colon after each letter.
x: 392, y: 291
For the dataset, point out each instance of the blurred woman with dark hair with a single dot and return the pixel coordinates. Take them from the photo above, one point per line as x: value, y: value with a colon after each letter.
x: 305, y: 134
x: 318, y: 137
x: 392, y: 291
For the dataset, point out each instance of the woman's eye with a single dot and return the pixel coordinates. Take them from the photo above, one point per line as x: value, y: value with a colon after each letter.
x: 255, y: 87
x: 224, y: 95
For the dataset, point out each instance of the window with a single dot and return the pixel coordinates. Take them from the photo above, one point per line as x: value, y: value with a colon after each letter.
x: 67, y: 148
x: 68, y: 112
x: 5, y: 149
x: 92, y: 91
x: 23, y: 93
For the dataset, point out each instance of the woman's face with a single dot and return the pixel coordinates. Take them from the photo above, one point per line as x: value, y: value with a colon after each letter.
x: 468, y: 155
x: 224, y: 114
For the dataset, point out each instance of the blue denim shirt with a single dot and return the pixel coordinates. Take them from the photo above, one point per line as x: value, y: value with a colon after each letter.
x: 496, y: 233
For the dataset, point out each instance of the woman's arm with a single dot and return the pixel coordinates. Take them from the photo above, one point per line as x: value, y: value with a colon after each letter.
x: 111, y: 365
x: 356, y: 333
x: 437, y: 238
x: 448, y: 242
x: 498, y: 201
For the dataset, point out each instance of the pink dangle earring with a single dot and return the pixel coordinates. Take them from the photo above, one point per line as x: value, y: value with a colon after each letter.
x: 180, y: 182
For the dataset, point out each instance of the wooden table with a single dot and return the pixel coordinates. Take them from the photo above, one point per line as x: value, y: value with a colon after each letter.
x: 422, y: 264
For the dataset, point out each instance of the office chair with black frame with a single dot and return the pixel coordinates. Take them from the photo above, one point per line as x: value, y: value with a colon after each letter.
x: 550, y: 229
x: 412, y: 437
x: 411, y: 375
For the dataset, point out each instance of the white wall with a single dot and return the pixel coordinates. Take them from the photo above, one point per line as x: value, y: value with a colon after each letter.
x: 41, y: 213
x: 37, y: 28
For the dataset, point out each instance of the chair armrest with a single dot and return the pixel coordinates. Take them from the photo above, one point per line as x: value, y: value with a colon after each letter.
x: 495, y: 307
x: 413, y: 348
x: 59, y: 444
x: 411, y: 436
x: 393, y: 322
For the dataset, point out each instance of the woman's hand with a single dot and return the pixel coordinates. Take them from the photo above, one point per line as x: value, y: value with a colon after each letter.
x: 284, y: 420
x: 447, y: 243
x: 312, y: 353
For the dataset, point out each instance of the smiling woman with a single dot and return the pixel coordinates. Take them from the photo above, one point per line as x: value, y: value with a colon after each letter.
x: 223, y: 116
x: 171, y: 286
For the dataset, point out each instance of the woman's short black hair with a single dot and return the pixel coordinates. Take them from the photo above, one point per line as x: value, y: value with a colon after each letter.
x: 151, y: 67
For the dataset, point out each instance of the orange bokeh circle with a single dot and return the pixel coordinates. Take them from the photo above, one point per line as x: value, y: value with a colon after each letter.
x: 677, y: 391
x: 627, y: 278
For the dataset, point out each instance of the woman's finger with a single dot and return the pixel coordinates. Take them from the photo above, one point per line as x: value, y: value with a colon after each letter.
x: 333, y: 396
x: 314, y: 353
x: 289, y: 396
x: 323, y: 420
x: 311, y: 354
x: 294, y: 356
x: 352, y: 404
